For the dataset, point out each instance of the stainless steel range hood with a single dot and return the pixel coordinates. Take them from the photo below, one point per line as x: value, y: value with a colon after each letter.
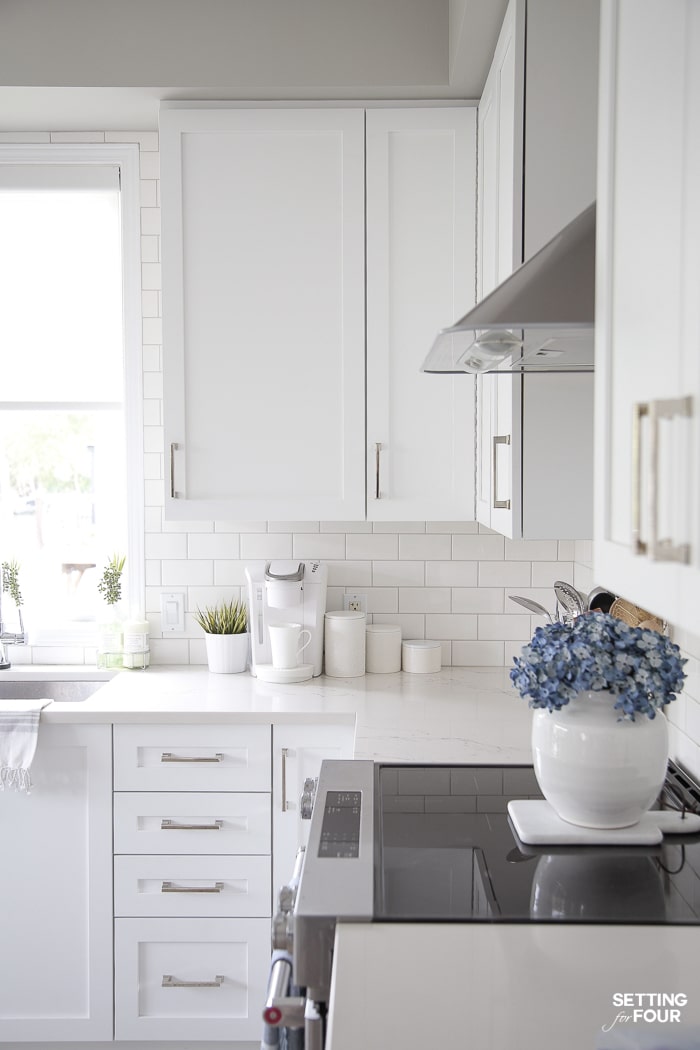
x: 540, y: 319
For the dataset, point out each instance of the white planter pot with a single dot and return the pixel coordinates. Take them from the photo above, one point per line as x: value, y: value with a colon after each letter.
x: 227, y: 653
x: 595, y: 770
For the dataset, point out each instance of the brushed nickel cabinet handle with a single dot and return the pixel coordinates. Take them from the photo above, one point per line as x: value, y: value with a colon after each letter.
x: 173, y: 982
x: 173, y: 825
x: 170, y: 887
x: 498, y: 439
x: 167, y: 756
x: 377, y: 458
x: 285, y: 805
x: 174, y: 447
x: 664, y: 549
x: 640, y: 411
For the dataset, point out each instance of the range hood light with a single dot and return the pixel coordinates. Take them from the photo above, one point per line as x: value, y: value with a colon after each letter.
x: 489, y: 350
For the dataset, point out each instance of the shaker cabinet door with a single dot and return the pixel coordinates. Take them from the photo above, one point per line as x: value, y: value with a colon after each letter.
x: 421, y: 197
x: 263, y: 312
x: 648, y: 314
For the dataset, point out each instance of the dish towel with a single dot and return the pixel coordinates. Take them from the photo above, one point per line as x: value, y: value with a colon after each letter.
x: 19, y: 734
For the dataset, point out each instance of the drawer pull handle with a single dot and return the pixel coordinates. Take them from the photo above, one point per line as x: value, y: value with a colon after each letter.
x: 167, y: 756
x: 170, y: 887
x: 285, y: 806
x: 173, y: 982
x: 172, y: 825
x: 498, y: 504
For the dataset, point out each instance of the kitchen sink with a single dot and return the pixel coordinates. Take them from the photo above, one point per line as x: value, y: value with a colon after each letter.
x: 60, y: 691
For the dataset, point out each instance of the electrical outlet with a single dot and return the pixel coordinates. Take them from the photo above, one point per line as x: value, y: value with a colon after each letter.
x: 355, y: 602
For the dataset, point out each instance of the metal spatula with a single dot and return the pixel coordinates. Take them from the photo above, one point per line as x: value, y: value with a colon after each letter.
x: 569, y: 598
x: 533, y: 607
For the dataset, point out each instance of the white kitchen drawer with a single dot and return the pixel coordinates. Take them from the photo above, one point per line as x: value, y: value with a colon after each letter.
x: 192, y: 757
x: 191, y: 822
x: 225, y: 961
x: 194, y: 887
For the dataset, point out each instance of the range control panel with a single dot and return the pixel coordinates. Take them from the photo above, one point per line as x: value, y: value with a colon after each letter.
x: 340, y: 827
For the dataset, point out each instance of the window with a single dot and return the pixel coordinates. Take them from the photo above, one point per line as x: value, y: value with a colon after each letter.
x: 71, y: 489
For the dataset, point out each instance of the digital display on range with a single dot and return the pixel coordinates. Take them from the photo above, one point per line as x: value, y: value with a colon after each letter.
x: 340, y: 828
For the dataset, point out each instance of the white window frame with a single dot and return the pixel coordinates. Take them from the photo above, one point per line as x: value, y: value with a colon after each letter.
x: 125, y: 157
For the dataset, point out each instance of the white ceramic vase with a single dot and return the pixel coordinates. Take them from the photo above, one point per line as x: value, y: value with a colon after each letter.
x: 594, y: 769
x: 227, y: 653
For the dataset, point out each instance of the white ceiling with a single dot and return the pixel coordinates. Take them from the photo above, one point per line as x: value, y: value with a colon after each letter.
x: 87, y: 64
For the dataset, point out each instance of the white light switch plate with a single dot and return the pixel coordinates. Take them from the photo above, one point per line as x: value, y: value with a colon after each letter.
x: 172, y: 611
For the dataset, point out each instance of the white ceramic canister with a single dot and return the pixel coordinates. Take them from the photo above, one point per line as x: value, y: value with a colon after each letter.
x: 383, y: 648
x: 421, y: 655
x: 345, y: 643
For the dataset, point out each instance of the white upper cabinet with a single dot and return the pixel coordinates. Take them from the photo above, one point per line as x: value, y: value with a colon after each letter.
x: 263, y: 312
x: 270, y: 306
x: 537, y: 136
x: 421, y: 199
x: 648, y: 309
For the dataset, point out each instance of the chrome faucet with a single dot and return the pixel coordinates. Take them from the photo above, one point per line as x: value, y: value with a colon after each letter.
x: 10, y: 637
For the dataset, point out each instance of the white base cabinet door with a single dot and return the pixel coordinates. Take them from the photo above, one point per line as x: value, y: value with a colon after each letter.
x: 200, y: 979
x: 56, y: 892
x: 297, y: 754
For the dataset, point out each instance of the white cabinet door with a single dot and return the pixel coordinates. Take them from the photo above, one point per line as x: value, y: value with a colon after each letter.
x: 421, y: 197
x: 534, y: 472
x: 499, y: 247
x: 297, y: 753
x: 263, y: 312
x: 647, y: 319
x: 56, y: 892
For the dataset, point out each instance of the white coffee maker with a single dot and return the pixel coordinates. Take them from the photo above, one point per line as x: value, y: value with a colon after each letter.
x: 286, y: 592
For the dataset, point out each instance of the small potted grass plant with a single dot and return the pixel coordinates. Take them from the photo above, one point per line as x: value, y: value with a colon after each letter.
x: 225, y: 627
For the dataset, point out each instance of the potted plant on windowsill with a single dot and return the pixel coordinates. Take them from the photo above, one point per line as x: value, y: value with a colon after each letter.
x: 225, y: 627
x: 109, y: 620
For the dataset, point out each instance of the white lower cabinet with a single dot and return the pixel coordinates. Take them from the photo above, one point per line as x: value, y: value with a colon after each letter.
x: 192, y: 881
x: 56, y: 893
x: 184, y: 978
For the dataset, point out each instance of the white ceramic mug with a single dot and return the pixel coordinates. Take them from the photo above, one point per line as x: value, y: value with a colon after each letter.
x: 286, y: 643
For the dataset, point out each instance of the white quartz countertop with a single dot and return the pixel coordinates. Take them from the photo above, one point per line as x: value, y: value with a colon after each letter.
x: 455, y: 715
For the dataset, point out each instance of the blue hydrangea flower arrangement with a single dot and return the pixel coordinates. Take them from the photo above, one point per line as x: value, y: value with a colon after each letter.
x: 642, y: 669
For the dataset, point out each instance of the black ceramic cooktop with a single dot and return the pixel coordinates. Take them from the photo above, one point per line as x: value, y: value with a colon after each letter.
x: 447, y: 851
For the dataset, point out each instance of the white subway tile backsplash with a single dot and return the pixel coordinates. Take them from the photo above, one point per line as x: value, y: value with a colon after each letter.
x: 398, y: 573
x: 240, y: 526
x: 350, y: 574
x: 477, y: 599
x: 153, y: 439
x: 428, y: 547
x: 505, y: 574
x: 398, y: 526
x: 146, y: 140
x: 150, y: 275
x: 184, y: 573
x: 266, y: 546
x: 294, y: 526
x: 77, y: 136
x: 425, y: 600
x: 545, y: 573
x: 381, y: 600
x: 371, y: 546
x: 229, y: 572
x: 320, y: 546
x: 213, y: 545
x: 153, y: 385
x: 150, y: 221
x: 477, y: 654
x: 531, y: 550
x: 452, y: 626
x: 478, y: 548
x: 451, y: 528
x: 164, y: 545
x: 345, y: 526
x: 503, y: 628
x: 412, y: 624
x: 152, y: 330
x: 451, y: 573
